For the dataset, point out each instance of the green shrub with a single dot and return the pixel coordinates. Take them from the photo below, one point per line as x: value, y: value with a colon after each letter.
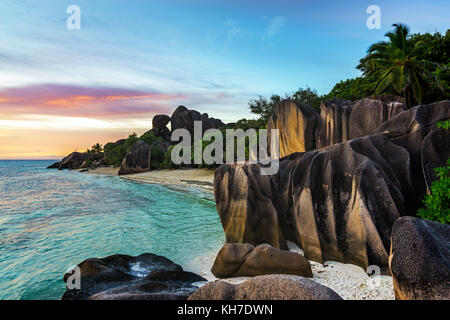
x: 443, y: 124
x: 437, y: 203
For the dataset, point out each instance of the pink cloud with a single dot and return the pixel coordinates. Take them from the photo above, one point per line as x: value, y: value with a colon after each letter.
x: 97, y: 102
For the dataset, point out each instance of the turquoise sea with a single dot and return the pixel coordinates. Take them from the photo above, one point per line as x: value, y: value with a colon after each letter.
x: 51, y: 220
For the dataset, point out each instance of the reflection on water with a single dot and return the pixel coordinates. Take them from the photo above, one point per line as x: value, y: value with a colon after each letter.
x: 51, y: 220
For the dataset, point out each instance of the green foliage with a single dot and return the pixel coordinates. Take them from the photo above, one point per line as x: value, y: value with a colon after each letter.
x: 443, y: 124
x: 437, y: 203
x: 308, y: 96
x: 246, y: 124
x: 115, y: 154
x: 167, y: 160
x: 264, y: 107
x: 97, y: 148
x: 351, y: 89
x: 149, y: 137
x: 404, y: 65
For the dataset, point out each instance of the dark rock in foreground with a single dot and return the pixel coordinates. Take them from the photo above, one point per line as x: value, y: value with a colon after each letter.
x: 122, y: 277
x: 269, y: 287
x: 420, y: 259
x: 245, y: 260
x: 137, y: 160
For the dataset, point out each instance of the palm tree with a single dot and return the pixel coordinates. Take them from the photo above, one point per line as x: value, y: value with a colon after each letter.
x: 97, y: 148
x: 397, y: 67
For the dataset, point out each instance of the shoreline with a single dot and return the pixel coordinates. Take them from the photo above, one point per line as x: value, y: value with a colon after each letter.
x: 195, y: 178
x: 349, y: 281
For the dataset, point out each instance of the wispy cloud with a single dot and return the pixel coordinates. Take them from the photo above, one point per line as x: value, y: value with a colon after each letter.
x: 275, y: 25
x: 234, y: 31
x: 76, y: 101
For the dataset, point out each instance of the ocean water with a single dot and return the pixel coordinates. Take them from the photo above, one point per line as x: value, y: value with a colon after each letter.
x: 51, y: 220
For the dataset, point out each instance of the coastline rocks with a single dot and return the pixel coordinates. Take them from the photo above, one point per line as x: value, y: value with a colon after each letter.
x: 343, y: 120
x: 269, y: 287
x: 183, y: 118
x: 408, y: 130
x: 244, y: 201
x: 137, y: 160
x: 297, y: 123
x: 75, y: 160
x: 338, y: 203
x: 244, y: 260
x: 434, y: 153
x: 122, y: 277
x: 420, y: 259
x: 160, y: 121
x: 303, y: 129
x: 54, y: 165
x: 159, y: 126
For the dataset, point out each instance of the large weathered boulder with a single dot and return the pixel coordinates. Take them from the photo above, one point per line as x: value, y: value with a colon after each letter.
x: 434, y: 153
x: 123, y: 277
x: 342, y: 120
x: 337, y: 203
x: 302, y: 128
x: 269, y: 287
x: 160, y: 121
x: 245, y: 260
x: 244, y: 201
x: 420, y: 259
x: 159, y: 126
x: 137, y: 160
x: 183, y: 118
x: 297, y: 123
x: 75, y: 160
x: 408, y: 129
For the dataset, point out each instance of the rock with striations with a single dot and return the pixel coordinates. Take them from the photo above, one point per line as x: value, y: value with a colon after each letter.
x: 327, y: 201
x: 434, y: 153
x: 342, y: 120
x: 336, y: 203
x: 123, y: 277
x: 245, y: 260
x: 420, y: 259
x: 244, y: 201
x: 268, y: 287
x: 137, y: 160
x: 302, y: 128
x: 408, y: 130
x: 297, y: 123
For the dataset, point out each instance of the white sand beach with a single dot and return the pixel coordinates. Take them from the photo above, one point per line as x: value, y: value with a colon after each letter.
x: 197, y: 178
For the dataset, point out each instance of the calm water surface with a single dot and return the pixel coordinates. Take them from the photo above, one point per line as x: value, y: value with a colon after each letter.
x: 51, y: 220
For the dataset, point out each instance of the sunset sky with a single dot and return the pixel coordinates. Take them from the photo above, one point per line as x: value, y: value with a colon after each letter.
x: 64, y: 90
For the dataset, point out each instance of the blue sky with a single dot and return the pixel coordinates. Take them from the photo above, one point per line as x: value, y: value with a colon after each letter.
x: 209, y: 55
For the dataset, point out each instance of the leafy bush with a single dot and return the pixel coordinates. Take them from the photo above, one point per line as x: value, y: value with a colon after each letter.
x: 437, y: 203
x: 443, y: 124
